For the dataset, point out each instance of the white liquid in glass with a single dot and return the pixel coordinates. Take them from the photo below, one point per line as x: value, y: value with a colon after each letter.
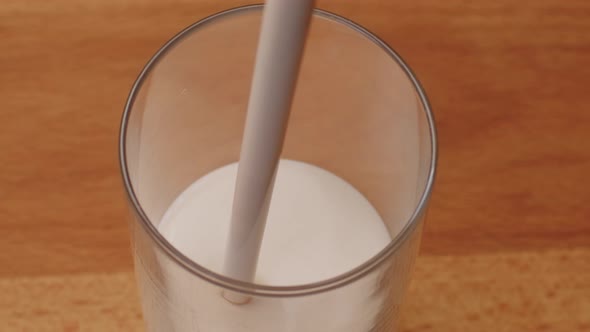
x: 318, y: 227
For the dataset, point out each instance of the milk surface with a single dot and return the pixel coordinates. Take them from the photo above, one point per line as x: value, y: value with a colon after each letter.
x: 319, y: 226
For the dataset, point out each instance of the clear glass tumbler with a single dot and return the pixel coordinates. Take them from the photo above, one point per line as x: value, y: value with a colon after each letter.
x: 358, y: 111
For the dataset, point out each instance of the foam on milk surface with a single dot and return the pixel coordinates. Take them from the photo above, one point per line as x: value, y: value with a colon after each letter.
x: 318, y: 227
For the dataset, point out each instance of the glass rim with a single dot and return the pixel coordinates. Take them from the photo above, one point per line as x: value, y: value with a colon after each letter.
x: 266, y: 290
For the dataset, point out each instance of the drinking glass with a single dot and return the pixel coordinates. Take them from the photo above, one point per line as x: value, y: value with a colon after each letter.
x: 358, y: 112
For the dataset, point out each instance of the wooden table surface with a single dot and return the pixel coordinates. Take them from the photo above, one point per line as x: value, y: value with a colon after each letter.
x: 507, y: 242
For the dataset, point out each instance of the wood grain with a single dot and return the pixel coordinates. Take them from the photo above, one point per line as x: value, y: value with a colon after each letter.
x: 506, y: 245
